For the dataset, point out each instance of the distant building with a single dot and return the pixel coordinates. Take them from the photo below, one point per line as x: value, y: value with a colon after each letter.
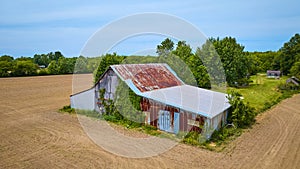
x: 273, y: 74
x: 42, y: 66
x: 293, y: 80
x: 168, y: 103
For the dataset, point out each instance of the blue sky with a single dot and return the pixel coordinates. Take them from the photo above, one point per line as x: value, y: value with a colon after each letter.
x: 34, y: 27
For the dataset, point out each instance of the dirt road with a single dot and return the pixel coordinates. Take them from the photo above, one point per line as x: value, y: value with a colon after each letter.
x: 34, y: 135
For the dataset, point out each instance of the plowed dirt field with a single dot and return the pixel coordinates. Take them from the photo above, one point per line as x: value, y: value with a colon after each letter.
x: 34, y: 135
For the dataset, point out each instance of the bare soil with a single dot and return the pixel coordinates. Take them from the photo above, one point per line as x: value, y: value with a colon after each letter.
x: 34, y: 135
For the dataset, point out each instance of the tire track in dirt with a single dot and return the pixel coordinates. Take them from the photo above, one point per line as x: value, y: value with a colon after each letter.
x: 266, y: 145
x: 275, y: 143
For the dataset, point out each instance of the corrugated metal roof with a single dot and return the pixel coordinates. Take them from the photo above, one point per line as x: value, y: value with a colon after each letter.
x: 148, y: 77
x: 193, y: 99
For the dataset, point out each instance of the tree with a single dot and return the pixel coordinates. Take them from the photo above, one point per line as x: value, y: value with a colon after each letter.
x: 53, y: 68
x: 295, y: 70
x: 290, y: 53
x: 255, y: 64
x: 25, y: 68
x: 81, y: 65
x: 92, y: 63
x: 184, y: 62
x: 165, y: 47
x: 66, y: 65
x: 6, y: 68
x: 42, y: 59
x: 183, y: 50
x: 22, y: 58
x: 194, y: 63
x: 106, y: 61
x: 234, y: 61
x: 6, y: 58
x: 240, y: 114
x: 45, y: 59
x: 212, y: 63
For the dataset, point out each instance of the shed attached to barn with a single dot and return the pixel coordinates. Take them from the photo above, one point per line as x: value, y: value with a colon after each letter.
x: 167, y: 102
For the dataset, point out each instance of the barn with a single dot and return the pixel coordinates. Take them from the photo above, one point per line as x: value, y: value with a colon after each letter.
x: 167, y: 102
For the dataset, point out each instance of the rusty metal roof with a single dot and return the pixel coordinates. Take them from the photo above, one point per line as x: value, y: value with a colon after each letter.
x: 148, y: 77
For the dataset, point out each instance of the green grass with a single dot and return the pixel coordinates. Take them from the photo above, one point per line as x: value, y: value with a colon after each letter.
x: 262, y: 92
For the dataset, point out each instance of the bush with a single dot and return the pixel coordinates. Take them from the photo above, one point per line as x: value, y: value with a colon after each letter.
x: 67, y: 109
x: 150, y: 130
x: 88, y: 113
x: 240, y: 114
x: 193, y: 138
x: 42, y: 72
x: 224, y: 134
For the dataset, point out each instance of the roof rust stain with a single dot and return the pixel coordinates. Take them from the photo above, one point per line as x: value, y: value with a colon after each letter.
x: 147, y: 77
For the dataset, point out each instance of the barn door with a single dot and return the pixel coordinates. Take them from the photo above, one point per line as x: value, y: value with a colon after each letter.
x: 164, y: 120
x: 176, y: 122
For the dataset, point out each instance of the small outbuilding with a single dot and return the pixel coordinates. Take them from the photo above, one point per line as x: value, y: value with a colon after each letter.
x: 295, y: 81
x: 167, y: 102
x: 273, y: 74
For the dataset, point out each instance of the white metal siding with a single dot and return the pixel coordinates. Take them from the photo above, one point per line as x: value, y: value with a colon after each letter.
x: 84, y: 100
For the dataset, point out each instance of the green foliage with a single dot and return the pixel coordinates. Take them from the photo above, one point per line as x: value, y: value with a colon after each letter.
x: 22, y: 58
x: 140, y: 59
x: 6, y: 68
x: 55, y: 63
x: 180, y: 67
x: 67, y: 109
x: 187, y: 65
x: 290, y: 54
x: 135, y: 100
x: 109, y: 106
x: 240, y: 114
x: 91, y: 64
x: 225, y: 133
x: 234, y: 61
x: 45, y: 59
x: 184, y: 51
x: 295, y: 69
x: 212, y: 63
x: 81, y: 65
x: 66, y: 65
x: 106, y: 61
x: 263, y: 61
x: 165, y: 47
x: 89, y: 113
x: 62, y: 66
x: 261, y: 91
x: 43, y: 72
x: 128, y: 103
x: 24, y: 68
x: 193, y: 138
x: 53, y: 68
x: 6, y: 58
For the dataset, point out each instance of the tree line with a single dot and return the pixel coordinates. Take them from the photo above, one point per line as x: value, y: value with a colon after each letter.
x: 52, y: 63
x: 214, y: 62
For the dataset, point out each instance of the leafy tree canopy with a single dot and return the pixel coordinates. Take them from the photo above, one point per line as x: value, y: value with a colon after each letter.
x: 234, y: 61
x: 290, y: 54
x: 165, y: 47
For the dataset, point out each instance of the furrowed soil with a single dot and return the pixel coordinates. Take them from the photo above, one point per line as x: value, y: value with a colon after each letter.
x: 34, y: 135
